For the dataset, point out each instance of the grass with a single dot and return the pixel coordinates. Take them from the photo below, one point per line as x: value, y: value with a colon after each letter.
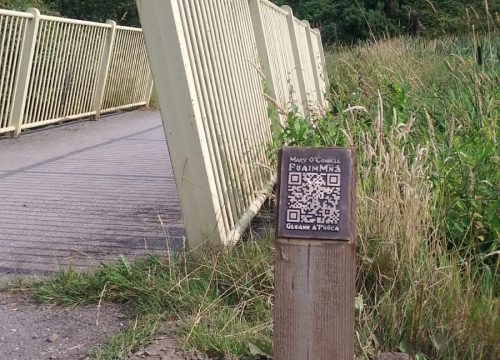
x: 221, y: 297
x: 428, y: 266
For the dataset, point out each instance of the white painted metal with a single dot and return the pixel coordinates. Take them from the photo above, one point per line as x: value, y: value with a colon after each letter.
x: 263, y: 46
x: 16, y: 51
x: 283, y: 65
x: 296, y: 54
x: 310, y: 100
x: 318, y: 100
x: 208, y: 57
x: 320, y: 57
x: 104, y: 70
x: 73, y: 21
x: 182, y: 116
x: 55, y: 69
x: 128, y: 76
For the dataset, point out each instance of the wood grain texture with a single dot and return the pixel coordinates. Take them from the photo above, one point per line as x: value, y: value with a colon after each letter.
x: 315, y: 293
x: 314, y: 300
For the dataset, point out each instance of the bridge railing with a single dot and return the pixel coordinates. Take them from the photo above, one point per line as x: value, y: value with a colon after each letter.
x: 55, y: 69
x: 208, y: 58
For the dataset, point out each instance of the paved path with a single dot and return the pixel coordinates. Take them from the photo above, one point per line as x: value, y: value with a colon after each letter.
x: 86, y: 192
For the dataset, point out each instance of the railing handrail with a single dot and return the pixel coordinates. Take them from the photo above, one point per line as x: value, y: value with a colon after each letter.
x: 21, y: 14
x: 208, y: 60
x: 274, y: 7
x: 73, y: 21
x: 54, y: 69
x: 128, y: 28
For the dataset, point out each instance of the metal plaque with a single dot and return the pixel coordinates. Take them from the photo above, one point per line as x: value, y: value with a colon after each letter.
x: 316, y: 193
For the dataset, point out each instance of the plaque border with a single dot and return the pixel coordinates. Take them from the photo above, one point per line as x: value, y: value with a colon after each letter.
x: 347, y: 222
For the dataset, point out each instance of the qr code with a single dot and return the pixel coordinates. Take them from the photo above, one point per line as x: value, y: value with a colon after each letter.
x: 313, y: 198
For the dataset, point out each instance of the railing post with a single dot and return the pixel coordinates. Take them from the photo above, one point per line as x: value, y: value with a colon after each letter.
x: 323, y: 61
x: 103, y: 71
x: 24, y: 72
x: 182, y: 118
x: 314, y: 64
x: 149, y: 89
x: 262, y: 46
x: 298, y: 63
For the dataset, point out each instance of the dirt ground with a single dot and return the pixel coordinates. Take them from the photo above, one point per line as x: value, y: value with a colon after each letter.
x: 164, y: 347
x: 30, y: 331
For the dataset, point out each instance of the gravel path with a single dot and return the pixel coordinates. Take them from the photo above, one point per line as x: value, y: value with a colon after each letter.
x: 29, y: 331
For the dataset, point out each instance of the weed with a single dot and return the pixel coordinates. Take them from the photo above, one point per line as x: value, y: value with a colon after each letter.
x: 222, y: 297
x: 423, y: 115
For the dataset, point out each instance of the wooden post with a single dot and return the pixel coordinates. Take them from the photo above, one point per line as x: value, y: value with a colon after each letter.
x: 24, y: 72
x: 315, y: 255
x: 104, y: 69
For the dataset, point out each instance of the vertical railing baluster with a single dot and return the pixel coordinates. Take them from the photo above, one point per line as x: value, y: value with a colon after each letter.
x: 262, y: 46
x: 298, y: 63
x: 314, y: 66
x: 323, y: 62
x: 103, y: 72
x: 149, y: 89
x: 24, y: 72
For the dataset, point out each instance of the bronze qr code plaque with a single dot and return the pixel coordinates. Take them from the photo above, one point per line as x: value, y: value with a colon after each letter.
x: 316, y: 193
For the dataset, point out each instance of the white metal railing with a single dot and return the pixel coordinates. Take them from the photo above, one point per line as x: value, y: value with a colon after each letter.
x: 54, y: 69
x: 129, y: 78
x: 206, y: 57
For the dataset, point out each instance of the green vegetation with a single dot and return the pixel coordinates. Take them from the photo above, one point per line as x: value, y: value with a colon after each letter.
x: 348, y: 21
x: 21, y: 5
x: 223, y: 298
x: 124, y: 12
x: 423, y: 115
x: 340, y: 21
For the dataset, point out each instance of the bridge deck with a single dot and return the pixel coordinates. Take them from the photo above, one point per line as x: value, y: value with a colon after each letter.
x: 86, y: 192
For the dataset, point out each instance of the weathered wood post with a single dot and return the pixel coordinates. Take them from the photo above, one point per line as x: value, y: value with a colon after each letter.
x: 315, y: 255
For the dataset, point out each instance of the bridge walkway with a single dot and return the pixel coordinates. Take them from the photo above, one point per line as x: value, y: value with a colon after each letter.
x: 85, y: 192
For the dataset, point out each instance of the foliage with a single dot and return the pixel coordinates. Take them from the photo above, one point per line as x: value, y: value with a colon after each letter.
x: 124, y: 12
x: 221, y: 297
x: 341, y: 21
x: 348, y: 21
x: 22, y: 5
x: 453, y: 104
x: 423, y: 117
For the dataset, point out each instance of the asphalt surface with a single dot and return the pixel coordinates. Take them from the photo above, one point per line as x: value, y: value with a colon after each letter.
x: 85, y: 192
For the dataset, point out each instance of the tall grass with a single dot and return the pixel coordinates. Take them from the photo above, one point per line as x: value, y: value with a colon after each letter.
x: 428, y: 195
x: 452, y: 105
x: 423, y: 115
x: 222, y: 299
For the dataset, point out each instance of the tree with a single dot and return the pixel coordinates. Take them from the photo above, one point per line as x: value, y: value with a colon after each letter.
x: 124, y: 12
x: 23, y: 5
x: 348, y: 21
